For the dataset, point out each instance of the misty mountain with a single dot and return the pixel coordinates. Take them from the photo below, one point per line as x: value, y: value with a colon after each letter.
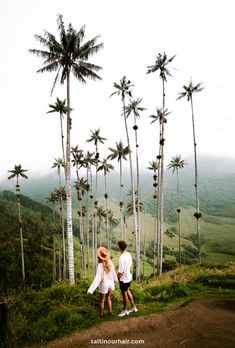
x: 216, y: 185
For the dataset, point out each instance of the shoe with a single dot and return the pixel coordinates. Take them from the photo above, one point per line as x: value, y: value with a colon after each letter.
x: 133, y: 310
x: 123, y: 313
x: 110, y: 314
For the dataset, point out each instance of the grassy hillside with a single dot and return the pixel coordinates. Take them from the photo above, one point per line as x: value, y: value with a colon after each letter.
x: 37, y: 317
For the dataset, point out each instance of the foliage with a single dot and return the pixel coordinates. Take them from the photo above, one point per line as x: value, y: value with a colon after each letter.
x: 40, y: 316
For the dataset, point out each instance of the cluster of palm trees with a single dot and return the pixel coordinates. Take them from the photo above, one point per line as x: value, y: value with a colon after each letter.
x: 69, y: 55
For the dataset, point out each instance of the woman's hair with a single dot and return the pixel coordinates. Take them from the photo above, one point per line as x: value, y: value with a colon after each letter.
x: 106, y: 265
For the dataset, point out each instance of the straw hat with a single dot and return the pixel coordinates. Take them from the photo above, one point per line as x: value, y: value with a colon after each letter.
x: 103, y: 253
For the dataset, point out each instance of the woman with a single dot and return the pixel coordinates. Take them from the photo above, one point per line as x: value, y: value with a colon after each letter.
x: 104, y: 279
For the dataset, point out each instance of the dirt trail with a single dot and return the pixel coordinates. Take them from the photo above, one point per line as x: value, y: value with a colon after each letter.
x: 202, y: 324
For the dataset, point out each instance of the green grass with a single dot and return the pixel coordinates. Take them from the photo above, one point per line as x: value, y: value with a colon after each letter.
x: 41, y: 316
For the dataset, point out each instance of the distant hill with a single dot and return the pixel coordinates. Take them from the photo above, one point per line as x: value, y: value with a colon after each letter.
x: 37, y: 236
x: 216, y: 185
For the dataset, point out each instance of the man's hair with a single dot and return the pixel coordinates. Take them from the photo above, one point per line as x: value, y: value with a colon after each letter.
x: 122, y: 244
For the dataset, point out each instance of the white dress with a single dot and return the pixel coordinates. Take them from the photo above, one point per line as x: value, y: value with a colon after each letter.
x: 104, y: 281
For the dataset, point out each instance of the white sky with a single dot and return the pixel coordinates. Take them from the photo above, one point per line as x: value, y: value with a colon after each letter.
x: 201, y: 35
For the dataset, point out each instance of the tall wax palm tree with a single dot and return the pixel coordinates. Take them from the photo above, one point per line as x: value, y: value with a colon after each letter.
x: 160, y: 116
x: 125, y: 89
x: 175, y: 164
x: 154, y: 165
x: 61, y: 108
x: 161, y: 65
x: 106, y: 168
x: 87, y: 162
x: 17, y: 172
x: 188, y: 92
x: 52, y: 199
x: 68, y: 56
x: 135, y: 108
x: 120, y: 153
x: 112, y: 222
x: 58, y: 164
x: 60, y: 194
x: 81, y: 186
x: 96, y: 138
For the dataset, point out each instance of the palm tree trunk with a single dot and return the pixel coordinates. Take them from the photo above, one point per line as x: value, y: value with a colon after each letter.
x: 59, y: 256
x: 21, y: 230
x: 162, y: 180
x: 133, y: 197
x: 54, y: 259
x: 121, y: 203
x: 178, y: 211
x: 138, y: 196
x: 196, y: 186
x: 63, y: 239
x: 87, y: 220
x: 68, y: 191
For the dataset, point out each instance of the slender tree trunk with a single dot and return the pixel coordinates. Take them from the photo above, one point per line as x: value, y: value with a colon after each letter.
x: 178, y: 212
x: 121, y: 203
x: 21, y: 230
x: 87, y: 220
x: 196, y: 187
x: 145, y: 229
x: 138, y: 197
x: 59, y: 258
x: 133, y: 198
x: 68, y: 191
x: 63, y: 239
x: 162, y: 179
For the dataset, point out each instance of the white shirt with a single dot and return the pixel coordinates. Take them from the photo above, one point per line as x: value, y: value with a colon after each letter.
x: 103, y: 280
x: 124, y: 267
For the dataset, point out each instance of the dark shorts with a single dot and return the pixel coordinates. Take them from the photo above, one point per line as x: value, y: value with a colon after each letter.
x: 124, y: 286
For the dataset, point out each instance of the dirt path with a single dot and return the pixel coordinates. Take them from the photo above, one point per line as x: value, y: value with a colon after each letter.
x: 202, y: 324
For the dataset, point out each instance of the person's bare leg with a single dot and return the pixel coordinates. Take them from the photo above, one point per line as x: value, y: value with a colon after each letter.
x: 130, y: 297
x: 102, y: 299
x: 125, y: 300
x: 109, y: 302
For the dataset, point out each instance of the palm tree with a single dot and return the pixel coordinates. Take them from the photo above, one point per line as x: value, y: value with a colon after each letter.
x: 17, y: 172
x: 154, y: 165
x: 81, y: 186
x: 161, y: 65
x: 52, y: 199
x: 61, y: 108
x: 87, y: 162
x: 175, y: 164
x: 96, y: 138
x: 120, y: 153
x: 58, y: 164
x: 161, y: 116
x: 60, y: 194
x: 135, y: 108
x: 112, y: 222
x: 67, y: 56
x: 188, y: 93
x: 124, y: 89
x: 106, y: 167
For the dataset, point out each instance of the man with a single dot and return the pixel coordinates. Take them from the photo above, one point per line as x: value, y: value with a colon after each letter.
x: 125, y: 278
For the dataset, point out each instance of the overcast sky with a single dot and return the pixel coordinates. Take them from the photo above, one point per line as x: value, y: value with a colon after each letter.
x: 201, y: 35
